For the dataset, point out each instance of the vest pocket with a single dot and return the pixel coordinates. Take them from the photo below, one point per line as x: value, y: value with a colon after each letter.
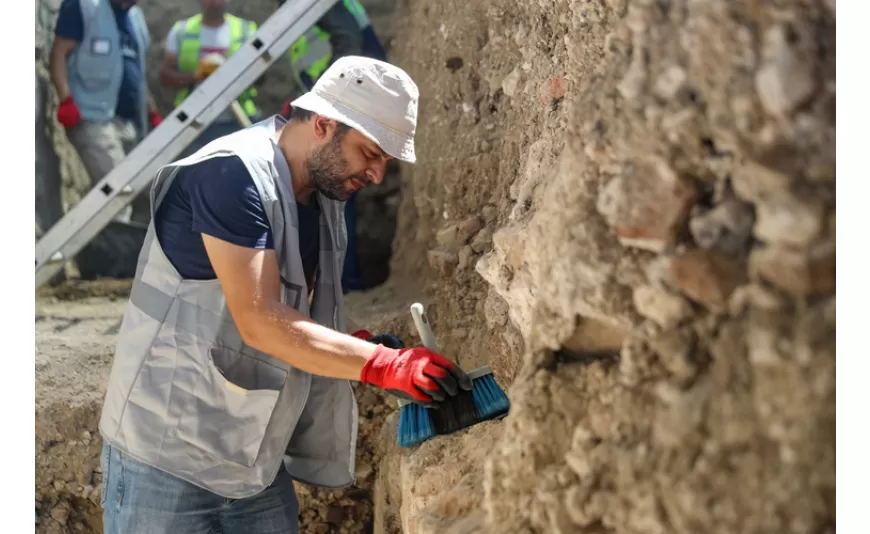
x: 232, y: 404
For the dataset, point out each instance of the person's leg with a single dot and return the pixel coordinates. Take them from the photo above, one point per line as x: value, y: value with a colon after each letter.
x: 140, y: 499
x: 275, y: 510
x: 101, y: 149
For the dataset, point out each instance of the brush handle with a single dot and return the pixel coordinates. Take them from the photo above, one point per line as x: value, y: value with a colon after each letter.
x: 418, y: 313
x: 421, y: 322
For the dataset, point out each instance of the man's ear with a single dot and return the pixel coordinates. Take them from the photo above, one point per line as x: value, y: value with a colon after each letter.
x: 322, y: 126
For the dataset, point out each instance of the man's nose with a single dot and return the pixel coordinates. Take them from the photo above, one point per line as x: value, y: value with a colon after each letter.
x: 376, y: 171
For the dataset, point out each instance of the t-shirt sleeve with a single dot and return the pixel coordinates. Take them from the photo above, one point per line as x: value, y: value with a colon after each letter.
x: 225, y: 203
x: 69, y: 23
x: 171, y: 43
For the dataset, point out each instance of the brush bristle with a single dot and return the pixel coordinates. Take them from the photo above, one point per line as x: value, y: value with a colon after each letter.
x: 455, y: 413
x: 489, y: 398
x: 485, y: 401
x: 415, y: 426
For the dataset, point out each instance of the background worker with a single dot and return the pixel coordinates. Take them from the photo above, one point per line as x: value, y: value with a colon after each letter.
x: 226, y: 385
x: 97, y: 67
x: 345, y: 29
x: 194, y: 48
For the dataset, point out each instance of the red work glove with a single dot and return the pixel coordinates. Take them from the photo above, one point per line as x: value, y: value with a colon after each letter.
x: 364, y: 335
x: 68, y: 113
x: 154, y: 118
x: 416, y: 374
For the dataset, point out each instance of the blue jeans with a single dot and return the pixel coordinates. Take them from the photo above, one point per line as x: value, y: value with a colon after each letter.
x: 140, y: 499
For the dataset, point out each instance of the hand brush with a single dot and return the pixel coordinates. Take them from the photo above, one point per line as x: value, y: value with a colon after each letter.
x: 486, y: 400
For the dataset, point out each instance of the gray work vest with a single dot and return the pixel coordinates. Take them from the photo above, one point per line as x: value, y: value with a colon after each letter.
x: 187, y: 395
x: 96, y: 65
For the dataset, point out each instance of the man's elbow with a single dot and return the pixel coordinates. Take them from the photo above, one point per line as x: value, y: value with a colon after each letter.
x: 254, y: 327
x: 251, y: 332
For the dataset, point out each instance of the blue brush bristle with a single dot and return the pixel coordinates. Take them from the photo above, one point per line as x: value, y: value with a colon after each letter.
x: 415, y: 426
x: 415, y: 423
x: 489, y: 399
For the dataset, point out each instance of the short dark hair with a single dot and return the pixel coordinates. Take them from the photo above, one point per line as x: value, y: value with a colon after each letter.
x: 300, y: 115
x: 303, y: 115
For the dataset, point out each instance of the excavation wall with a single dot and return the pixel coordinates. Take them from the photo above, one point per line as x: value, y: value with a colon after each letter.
x: 626, y: 208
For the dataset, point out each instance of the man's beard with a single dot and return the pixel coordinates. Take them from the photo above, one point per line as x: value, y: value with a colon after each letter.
x: 328, y: 171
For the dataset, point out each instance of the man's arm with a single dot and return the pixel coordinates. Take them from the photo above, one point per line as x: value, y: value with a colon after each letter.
x: 57, y: 66
x: 344, y: 33
x: 251, y: 283
x: 152, y: 106
x: 169, y: 75
x: 68, y: 32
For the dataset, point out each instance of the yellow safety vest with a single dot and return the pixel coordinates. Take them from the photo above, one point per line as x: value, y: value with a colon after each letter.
x: 188, y: 52
x: 312, y: 52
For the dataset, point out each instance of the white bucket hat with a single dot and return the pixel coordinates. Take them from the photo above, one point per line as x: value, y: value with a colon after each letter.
x: 377, y: 99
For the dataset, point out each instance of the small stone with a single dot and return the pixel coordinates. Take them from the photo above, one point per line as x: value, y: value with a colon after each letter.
x: 443, y: 259
x: 578, y: 461
x: 753, y: 182
x: 510, y: 83
x: 553, y: 89
x: 755, y: 296
x: 727, y: 227
x: 785, y: 79
x: 675, y: 349
x: 447, y: 235
x: 635, y: 77
x: 482, y: 241
x: 60, y: 514
x: 466, y: 257
x: 670, y: 82
x: 647, y: 205
x: 334, y: 515
x: 801, y: 273
x: 659, y: 305
x: 575, y: 499
x: 789, y: 220
x: 490, y: 213
x: 363, y: 470
x: 707, y: 276
x: 511, y: 243
x: 467, y: 228
x: 86, y: 436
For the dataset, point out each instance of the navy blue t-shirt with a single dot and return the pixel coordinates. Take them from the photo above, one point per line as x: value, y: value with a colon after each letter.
x: 218, y: 197
x: 70, y: 26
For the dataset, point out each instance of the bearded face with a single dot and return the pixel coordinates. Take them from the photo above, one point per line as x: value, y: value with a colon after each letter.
x: 330, y: 172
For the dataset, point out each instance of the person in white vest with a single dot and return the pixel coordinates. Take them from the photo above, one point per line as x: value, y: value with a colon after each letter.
x: 231, y: 376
